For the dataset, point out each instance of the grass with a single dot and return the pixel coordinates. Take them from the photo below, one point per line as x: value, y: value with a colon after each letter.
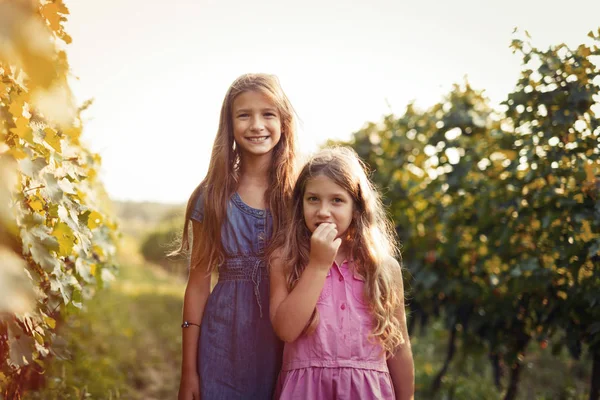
x: 543, y: 377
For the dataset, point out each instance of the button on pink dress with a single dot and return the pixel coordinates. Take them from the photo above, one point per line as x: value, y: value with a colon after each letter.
x: 339, y: 360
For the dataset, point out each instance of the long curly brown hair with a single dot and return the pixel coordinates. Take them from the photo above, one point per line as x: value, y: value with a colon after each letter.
x: 370, y: 240
x: 221, y: 180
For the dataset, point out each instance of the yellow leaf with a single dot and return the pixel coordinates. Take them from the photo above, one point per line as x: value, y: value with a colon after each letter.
x: 38, y: 338
x: 81, y: 195
x: 578, y: 198
x: 24, y: 132
x: 584, y: 50
x: 36, y: 205
x: 586, y: 231
x: 94, y: 220
x: 73, y: 133
x: 61, y: 7
x: 68, y: 39
x: 93, y: 269
x: 16, y: 108
x: 52, y: 139
x: 510, y: 154
x: 50, y: 12
x: 91, y: 173
x: 50, y: 321
x: 66, y: 239
x: 589, y: 173
x: 98, y: 250
x: 428, y: 368
x: 483, y: 251
x: 17, y: 153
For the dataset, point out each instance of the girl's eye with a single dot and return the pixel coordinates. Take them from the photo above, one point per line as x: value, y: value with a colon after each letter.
x: 311, y: 198
x: 338, y: 200
x: 244, y: 115
x: 271, y: 115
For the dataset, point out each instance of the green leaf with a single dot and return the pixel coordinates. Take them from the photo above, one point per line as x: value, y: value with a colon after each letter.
x: 64, y: 284
x: 51, y: 322
x: 21, y: 346
x: 516, y: 272
x: 594, y: 328
x: 531, y: 264
x: 51, y: 189
x: 38, y: 242
x: 594, y: 249
x: 32, y: 168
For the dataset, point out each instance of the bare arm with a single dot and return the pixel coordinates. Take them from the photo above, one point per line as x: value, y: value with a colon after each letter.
x: 194, y: 302
x: 401, y: 364
x: 291, y: 311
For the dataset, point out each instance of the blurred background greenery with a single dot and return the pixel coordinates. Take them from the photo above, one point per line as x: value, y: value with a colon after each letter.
x: 497, y: 209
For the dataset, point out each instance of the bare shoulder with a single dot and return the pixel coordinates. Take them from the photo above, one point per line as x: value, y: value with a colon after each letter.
x: 393, y: 263
x: 395, y: 271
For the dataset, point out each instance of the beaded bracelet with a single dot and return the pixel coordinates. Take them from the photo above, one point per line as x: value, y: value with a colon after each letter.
x: 187, y: 324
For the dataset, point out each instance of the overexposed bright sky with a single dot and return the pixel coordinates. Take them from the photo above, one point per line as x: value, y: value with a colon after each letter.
x: 158, y: 70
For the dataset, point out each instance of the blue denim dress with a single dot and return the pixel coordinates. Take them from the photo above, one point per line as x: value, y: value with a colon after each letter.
x: 239, y: 354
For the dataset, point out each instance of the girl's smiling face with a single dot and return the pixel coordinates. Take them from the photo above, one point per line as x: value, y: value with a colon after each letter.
x: 326, y: 201
x: 256, y: 123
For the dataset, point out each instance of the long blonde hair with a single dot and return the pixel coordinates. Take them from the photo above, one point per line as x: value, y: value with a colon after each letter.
x: 370, y: 240
x: 223, y: 172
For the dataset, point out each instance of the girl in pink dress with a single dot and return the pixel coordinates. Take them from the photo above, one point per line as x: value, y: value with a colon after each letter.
x: 337, y: 298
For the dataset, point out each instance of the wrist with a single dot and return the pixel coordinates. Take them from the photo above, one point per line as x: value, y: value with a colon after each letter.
x: 189, y: 370
x: 187, y: 324
x: 318, y: 268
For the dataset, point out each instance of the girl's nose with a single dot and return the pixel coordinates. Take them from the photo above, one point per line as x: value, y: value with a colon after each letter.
x: 323, y: 212
x: 257, y: 124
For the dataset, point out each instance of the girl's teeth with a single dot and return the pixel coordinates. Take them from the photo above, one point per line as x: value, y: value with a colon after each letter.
x: 257, y: 140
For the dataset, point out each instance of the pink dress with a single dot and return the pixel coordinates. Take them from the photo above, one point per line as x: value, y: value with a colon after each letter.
x: 338, y: 360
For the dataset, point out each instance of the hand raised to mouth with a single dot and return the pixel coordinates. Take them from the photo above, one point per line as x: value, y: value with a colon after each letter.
x: 324, y: 245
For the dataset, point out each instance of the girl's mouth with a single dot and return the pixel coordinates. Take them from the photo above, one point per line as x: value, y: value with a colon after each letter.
x: 257, y: 139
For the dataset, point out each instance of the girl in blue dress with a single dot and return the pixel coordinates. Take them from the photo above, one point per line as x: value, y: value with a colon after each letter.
x: 229, y: 348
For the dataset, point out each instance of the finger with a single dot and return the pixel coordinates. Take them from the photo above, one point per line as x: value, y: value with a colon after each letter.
x: 320, y: 228
x: 337, y: 243
x: 331, y: 234
x: 331, y: 225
